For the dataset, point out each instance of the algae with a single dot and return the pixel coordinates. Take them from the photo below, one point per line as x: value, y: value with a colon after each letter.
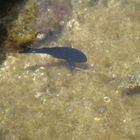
x: 41, y: 99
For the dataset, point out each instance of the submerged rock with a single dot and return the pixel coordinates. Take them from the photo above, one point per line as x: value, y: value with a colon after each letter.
x: 8, y: 13
x: 45, y: 16
x: 51, y: 14
x: 9, y: 10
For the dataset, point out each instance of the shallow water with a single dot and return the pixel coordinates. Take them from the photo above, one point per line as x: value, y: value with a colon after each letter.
x: 40, y: 98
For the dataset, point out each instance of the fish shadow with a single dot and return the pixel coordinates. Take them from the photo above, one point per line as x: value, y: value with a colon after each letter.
x: 75, y: 67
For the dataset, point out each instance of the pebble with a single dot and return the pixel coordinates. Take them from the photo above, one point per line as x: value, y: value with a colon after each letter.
x: 102, y: 109
x: 97, y: 119
x: 38, y: 94
x: 69, y: 109
x: 40, y: 36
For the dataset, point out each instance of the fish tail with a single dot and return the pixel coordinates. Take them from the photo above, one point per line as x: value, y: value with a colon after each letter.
x: 31, y: 50
x: 25, y: 49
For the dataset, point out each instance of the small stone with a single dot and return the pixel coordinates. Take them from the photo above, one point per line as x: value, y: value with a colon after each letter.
x: 97, y: 119
x: 38, y: 94
x: 40, y: 36
x: 114, y: 76
x: 59, y: 73
x: 124, y: 120
x: 69, y: 109
x: 102, y: 109
x: 42, y: 74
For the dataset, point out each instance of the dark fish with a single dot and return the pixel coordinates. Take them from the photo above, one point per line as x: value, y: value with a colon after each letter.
x: 71, y: 55
x: 133, y: 91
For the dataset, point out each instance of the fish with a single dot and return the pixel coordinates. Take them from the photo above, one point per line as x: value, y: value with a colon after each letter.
x: 70, y: 55
x: 132, y: 91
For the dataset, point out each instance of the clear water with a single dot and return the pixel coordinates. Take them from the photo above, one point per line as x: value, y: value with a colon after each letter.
x: 41, y: 99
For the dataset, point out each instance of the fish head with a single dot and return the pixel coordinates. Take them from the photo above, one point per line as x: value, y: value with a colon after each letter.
x: 78, y: 58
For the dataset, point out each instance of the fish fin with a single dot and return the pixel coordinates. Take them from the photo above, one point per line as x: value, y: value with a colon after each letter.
x: 70, y: 65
